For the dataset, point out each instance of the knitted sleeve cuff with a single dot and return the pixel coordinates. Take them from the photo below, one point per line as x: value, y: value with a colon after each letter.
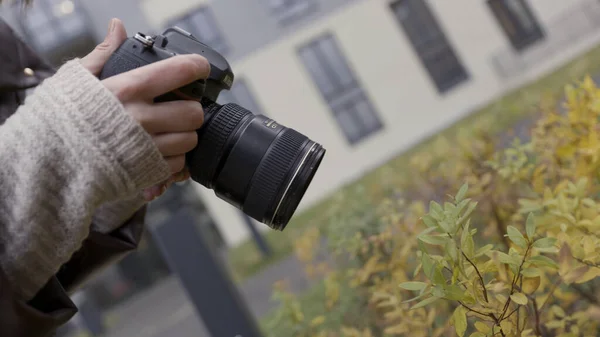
x: 112, y: 215
x: 132, y: 161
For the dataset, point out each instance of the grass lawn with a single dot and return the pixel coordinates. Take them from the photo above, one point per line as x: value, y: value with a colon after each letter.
x: 245, y: 259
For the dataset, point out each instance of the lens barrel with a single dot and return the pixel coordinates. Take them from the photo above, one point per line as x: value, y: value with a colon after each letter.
x: 253, y: 162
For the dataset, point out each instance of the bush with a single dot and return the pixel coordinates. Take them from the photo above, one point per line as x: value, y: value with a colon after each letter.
x: 473, y: 240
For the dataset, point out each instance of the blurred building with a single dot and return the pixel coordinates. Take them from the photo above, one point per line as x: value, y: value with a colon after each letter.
x: 366, y: 78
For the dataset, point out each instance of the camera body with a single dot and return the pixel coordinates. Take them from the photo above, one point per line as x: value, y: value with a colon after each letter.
x: 142, y: 49
x: 251, y: 161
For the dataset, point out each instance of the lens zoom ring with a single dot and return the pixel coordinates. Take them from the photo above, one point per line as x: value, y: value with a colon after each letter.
x: 214, y: 139
x: 272, y: 171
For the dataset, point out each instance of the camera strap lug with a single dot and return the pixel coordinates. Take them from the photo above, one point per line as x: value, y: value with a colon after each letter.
x: 146, y: 40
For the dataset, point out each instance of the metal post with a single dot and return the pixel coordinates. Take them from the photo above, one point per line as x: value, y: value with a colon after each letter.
x: 260, y: 241
x: 208, y: 284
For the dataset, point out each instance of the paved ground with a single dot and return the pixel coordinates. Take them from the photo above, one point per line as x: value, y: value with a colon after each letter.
x: 165, y: 310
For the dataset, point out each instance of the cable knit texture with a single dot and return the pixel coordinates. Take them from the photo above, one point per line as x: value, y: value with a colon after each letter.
x: 70, y: 155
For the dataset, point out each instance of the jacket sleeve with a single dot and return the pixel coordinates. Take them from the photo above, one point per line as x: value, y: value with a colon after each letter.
x: 51, y: 307
x: 70, y: 149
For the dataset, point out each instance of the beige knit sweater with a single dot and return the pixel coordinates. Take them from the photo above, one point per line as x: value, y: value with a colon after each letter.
x: 70, y: 155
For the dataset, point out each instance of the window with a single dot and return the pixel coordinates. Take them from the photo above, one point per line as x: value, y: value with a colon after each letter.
x: 430, y: 43
x: 240, y: 94
x: 203, y: 25
x: 51, y: 24
x: 517, y: 21
x: 335, y: 80
x: 287, y: 11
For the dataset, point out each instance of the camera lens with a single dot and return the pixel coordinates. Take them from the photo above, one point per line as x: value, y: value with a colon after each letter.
x: 253, y: 162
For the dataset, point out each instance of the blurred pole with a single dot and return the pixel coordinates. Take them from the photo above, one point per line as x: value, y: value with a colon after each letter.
x: 260, y: 241
x: 91, y: 314
x: 207, y: 282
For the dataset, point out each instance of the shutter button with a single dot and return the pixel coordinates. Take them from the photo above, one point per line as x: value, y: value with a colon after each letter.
x: 28, y: 71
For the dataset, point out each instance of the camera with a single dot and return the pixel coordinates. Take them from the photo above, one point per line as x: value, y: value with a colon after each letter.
x: 250, y: 161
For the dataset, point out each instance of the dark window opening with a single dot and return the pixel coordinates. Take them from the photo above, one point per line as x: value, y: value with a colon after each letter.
x: 518, y: 22
x: 343, y: 93
x: 430, y: 43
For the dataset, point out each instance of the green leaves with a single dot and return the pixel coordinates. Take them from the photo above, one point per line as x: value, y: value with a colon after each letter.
x: 531, y: 272
x: 515, y: 236
x: 429, y: 221
x: 507, y: 259
x: 425, y: 302
x: 461, y: 193
x: 468, y: 247
x: 483, y: 250
x: 434, y: 240
x: 459, y: 319
x: 530, y: 226
x: 413, y: 286
x: 543, y: 261
x: 545, y: 243
x: 428, y: 265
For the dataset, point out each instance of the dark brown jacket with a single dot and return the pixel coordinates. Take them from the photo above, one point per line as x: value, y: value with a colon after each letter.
x: 21, y: 69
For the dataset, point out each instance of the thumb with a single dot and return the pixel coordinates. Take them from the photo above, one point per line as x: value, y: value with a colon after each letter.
x: 94, y: 61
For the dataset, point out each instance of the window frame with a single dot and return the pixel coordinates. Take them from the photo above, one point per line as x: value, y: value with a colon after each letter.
x: 433, y: 48
x: 345, y: 97
x: 519, y: 38
x: 285, y: 14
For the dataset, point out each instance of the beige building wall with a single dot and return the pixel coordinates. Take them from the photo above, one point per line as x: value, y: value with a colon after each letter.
x: 391, y: 74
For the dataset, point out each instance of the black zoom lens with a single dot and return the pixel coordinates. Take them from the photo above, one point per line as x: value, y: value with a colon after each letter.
x: 253, y: 162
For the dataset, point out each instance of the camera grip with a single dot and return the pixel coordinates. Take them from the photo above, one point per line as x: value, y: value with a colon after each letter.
x: 122, y: 60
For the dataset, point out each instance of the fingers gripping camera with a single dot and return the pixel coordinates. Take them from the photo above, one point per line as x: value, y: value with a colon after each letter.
x: 250, y: 161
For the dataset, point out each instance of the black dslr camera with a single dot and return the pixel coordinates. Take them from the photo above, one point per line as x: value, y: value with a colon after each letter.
x: 250, y: 161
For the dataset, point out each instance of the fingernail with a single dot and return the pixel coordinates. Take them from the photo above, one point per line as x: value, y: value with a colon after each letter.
x: 163, y: 188
x: 112, y: 25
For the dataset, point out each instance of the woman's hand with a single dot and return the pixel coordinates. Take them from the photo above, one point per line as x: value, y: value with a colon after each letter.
x: 172, y: 125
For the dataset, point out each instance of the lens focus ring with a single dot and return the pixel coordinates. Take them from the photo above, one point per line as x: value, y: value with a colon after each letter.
x: 272, y: 171
x: 212, y: 143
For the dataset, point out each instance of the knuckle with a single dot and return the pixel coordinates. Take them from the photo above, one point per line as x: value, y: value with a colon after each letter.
x: 196, y: 113
x: 142, y: 118
x: 103, y: 46
x: 126, y: 91
x: 191, y: 140
x: 197, y: 65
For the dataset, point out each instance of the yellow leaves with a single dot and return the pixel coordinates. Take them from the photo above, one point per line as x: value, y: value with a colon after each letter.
x: 507, y: 327
x: 397, y: 329
x: 305, y: 245
x: 482, y: 327
x: 558, y: 311
x: 332, y: 290
x: 353, y: 332
x: 459, y: 320
x: 297, y: 315
x: 528, y: 333
x: 591, y: 274
x: 317, y: 321
x: 519, y: 298
x: 373, y: 265
x: 531, y: 284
